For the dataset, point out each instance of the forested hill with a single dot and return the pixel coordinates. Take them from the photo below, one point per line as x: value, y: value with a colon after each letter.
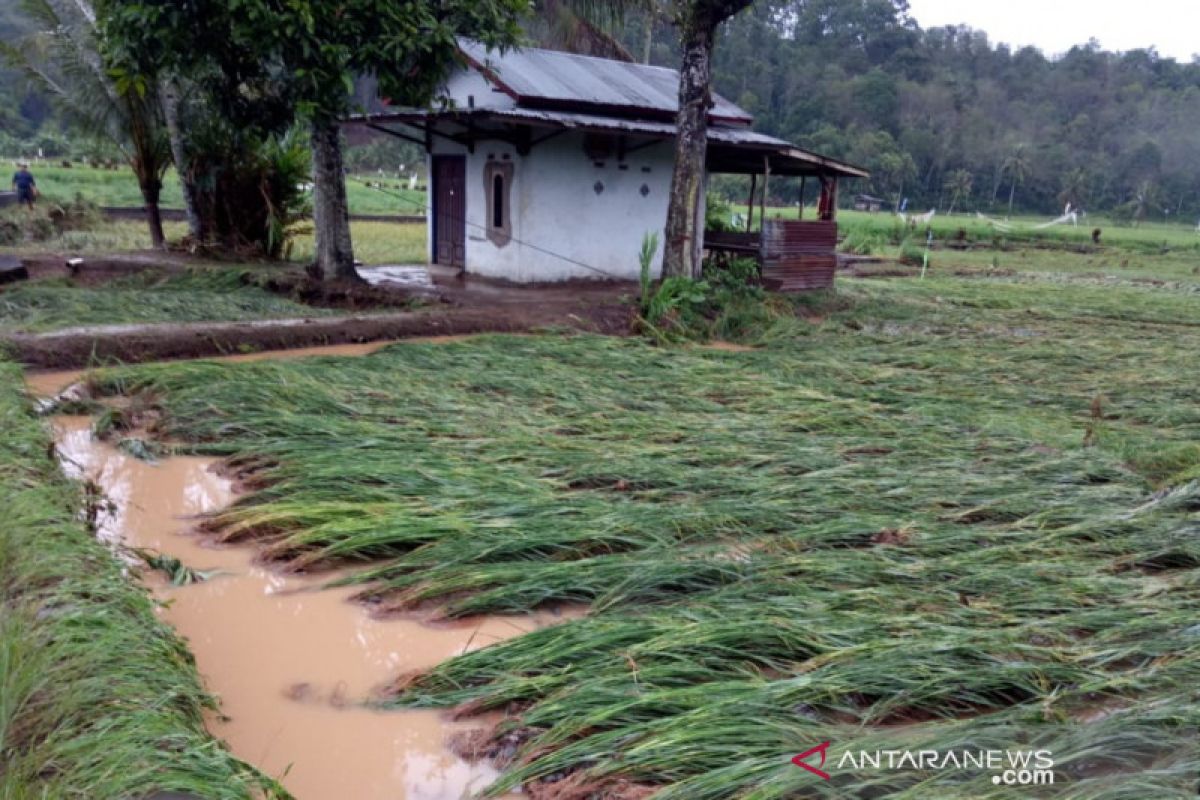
x: 21, y: 111
x: 931, y: 111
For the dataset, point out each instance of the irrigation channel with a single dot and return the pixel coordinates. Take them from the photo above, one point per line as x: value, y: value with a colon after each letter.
x: 291, y: 662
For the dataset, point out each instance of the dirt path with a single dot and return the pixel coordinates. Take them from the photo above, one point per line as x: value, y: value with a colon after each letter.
x: 80, y: 347
x: 461, y: 306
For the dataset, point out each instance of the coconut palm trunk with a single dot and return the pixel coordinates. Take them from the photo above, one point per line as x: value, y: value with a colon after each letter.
x: 171, y: 114
x: 331, y: 211
x: 151, y: 192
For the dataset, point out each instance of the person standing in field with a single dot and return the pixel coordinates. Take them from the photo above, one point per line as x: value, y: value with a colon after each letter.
x: 24, y: 185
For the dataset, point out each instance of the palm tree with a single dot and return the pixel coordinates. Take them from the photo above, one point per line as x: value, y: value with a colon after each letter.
x: 1017, y: 167
x: 63, y: 59
x: 959, y: 185
x: 1073, y: 186
x: 1144, y: 199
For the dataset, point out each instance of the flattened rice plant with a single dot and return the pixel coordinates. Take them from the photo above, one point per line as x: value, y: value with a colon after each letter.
x: 909, y: 528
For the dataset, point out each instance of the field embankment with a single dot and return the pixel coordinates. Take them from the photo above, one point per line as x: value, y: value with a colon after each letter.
x: 98, y: 698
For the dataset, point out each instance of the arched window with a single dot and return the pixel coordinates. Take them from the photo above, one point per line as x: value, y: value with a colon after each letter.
x: 498, y: 200
x: 497, y: 188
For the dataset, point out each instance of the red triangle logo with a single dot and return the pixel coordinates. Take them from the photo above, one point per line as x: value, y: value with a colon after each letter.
x: 800, y: 761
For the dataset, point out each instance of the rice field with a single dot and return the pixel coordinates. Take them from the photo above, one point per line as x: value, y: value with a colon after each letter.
x: 375, y: 243
x: 200, y: 295
x: 952, y: 514
x: 876, y: 232
x: 118, y: 187
x: 98, y: 698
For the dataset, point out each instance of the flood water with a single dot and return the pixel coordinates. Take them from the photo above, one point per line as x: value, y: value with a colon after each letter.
x: 47, y: 384
x: 290, y: 661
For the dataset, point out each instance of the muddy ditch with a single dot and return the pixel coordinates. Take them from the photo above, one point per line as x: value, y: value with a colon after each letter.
x: 295, y: 665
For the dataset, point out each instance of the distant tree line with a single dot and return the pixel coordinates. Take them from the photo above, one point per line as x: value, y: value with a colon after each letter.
x: 946, y: 118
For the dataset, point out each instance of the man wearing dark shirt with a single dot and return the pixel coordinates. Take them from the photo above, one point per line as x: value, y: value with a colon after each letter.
x: 24, y: 185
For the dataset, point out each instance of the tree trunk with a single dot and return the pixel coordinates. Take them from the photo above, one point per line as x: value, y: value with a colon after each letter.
x: 1012, y: 191
x: 331, y: 212
x: 151, y: 190
x: 170, y: 100
x: 684, y: 233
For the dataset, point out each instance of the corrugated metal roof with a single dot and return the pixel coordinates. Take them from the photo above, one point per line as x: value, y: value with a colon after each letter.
x: 786, y: 158
x: 535, y: 76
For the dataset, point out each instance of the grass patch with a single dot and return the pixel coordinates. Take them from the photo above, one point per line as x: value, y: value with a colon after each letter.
x: 375, y: 243
x: 98, y: 698
x: 201, y: 295
x: 881, y: 232
x: 931, y: 521
x: 118, y: 187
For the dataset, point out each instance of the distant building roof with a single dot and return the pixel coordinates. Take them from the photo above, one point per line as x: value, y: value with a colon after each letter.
x: 550, y: 79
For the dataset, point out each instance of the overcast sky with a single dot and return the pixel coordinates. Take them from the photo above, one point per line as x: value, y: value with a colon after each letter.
x: 1055, y: 25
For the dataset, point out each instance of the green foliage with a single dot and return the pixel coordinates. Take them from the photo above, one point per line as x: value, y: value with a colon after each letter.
x: 175, y: 570
x: 61, y: 55
x: 863, y: 241
x: 48, y: 219
x: 912, y: 252
x: 918, y: 105
x: 718, y: 214
x: 386, y: 154
x: 672, y: 306
x: 408, y: 47
x: 726, y: 305
x: 646, y: 264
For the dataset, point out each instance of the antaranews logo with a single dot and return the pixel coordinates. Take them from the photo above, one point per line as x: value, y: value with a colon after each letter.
x: 799, y: 760
x: 1008, y: 767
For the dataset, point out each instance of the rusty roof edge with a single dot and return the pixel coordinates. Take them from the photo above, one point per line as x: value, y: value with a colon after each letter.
x: 845, y: 166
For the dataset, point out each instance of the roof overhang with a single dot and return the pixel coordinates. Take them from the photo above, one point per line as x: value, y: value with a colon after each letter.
x: 731, y: 150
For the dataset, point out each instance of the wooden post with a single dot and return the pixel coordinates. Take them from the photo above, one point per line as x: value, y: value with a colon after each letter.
x: 803, y: 183
x: 750, y: 203
x: 762, y: 218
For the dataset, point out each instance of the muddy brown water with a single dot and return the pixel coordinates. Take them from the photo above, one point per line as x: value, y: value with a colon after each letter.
x: 289, y: 660
x: 50, y: 383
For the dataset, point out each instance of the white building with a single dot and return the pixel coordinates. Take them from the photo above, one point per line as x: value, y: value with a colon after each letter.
x: 547, y: 166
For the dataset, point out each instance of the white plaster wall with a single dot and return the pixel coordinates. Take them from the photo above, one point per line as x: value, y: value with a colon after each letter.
x: 557, y: 216
x: 467, y: 86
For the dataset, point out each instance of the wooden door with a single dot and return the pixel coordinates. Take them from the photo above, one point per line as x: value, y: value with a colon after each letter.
x: 450, y: 210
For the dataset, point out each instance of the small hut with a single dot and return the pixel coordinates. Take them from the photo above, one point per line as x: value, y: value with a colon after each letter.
x: 865, y: 202
x: 548, y: 166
